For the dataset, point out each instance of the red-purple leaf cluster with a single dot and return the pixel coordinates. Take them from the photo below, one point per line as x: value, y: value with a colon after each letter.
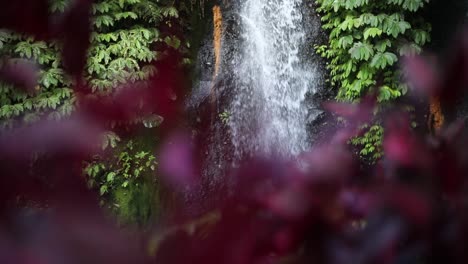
x: 411, y: 208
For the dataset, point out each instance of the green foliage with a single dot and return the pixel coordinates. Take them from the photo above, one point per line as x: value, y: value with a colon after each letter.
x: 128, y: 37
x: 52, y: 99
x: 122, y: 51
x: 125, y: 33
x: 125, y: 180
x: 225, y: 117
x: 366, y: 39
x: 127, y: 165
x: 370, y: 143
x: 135, y: 204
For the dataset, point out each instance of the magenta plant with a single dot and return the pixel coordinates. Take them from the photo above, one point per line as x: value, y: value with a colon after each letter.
x: 410, y: 208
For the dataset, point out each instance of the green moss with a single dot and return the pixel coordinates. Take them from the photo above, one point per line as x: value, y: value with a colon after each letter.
x: 135, y: 204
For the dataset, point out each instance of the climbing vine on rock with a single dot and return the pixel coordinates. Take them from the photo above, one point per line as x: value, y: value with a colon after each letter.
x: 51, y: 96
x: 128, y: 37
x: 124, y: 39
x: 123, y: 47
x: 366, y: 40
x: 127, y: 171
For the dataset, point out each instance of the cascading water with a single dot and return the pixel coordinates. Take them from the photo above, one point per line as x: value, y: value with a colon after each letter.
x: 268, y: 109
x: 258, y: 67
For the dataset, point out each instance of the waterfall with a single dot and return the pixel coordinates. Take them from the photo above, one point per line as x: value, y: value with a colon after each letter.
x: 272, y: 77
x: 259, y: 69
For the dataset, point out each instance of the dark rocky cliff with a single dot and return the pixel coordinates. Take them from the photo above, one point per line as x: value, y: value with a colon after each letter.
x: 448, y: 19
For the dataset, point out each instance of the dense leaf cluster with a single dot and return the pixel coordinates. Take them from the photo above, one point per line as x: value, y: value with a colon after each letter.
x: 123, y: 46
x: 127, y: 38
x: 52, y: 96
x: 123, y: 42
x: 366, y: 40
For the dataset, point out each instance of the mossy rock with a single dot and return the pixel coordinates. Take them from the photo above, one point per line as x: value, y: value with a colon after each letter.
x: 136, y: 204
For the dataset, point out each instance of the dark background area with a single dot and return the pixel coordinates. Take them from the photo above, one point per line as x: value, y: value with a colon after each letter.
x: 448, y: 18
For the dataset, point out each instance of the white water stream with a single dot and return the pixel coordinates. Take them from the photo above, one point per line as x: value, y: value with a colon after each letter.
x: 268, y: 110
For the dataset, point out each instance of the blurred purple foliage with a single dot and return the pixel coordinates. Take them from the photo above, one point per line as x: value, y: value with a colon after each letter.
x: 410, y: 209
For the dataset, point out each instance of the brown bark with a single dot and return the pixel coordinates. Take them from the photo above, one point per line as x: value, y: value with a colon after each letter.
x: 218, y: 31
x: 217, y: 37
x: 436, y: 116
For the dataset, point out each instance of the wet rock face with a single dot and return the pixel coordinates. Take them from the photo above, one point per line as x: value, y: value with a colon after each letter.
x: 321, y: 123
x: 206, y: 84
x: 448, y: 18
x: 462, y: 107
x: 215, y: 134
x: 232, y: 34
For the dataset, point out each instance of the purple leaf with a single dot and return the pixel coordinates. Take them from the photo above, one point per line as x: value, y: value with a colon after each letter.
x: 177, y: 162
x: 23, y: 75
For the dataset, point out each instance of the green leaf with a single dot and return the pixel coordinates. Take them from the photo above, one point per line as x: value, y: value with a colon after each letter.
x: 382, y: 60
x: 173, y: 42
x: 58, y: 6
x: 103, y: 190
x: 370, y: 19
x: 103, y: 20
x: 410, y: 50
x: 125, y: 15
x: 347, y: 24
x: 413, y: 5
x: 372, y: 32
x: 170, y: 12
x: 345, y: 42
x: 110, y: 177
x: 361, y: 51
x: 382, y: 45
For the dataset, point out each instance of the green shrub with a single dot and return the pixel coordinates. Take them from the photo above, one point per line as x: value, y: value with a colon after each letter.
x: 366, y: 40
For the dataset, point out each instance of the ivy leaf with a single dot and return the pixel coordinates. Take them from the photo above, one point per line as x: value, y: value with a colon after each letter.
x: 382, y: 60
x: 110, y: 177
x: 347, y: 24
x: 372, y: 32
x: 58, y: 6
x: 102, y: 7
x: 386, y: 93
x: 103, y: 190
x: 345, y: 42
x: 370, y: 19
x: 361, y: 51
x: 170, y: 12
x: 382, y: 45
x: 103, y: 20
x: 410, y: 50
x: 394, y: 27
x: 413, y: 5
x: 124, y: 15
x: 365, y: 73
x: 421, y: 37
x: 173, y: 42
x: 125, y: 184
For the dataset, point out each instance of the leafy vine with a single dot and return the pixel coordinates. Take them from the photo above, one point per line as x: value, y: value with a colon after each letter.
x: 366, y: 40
